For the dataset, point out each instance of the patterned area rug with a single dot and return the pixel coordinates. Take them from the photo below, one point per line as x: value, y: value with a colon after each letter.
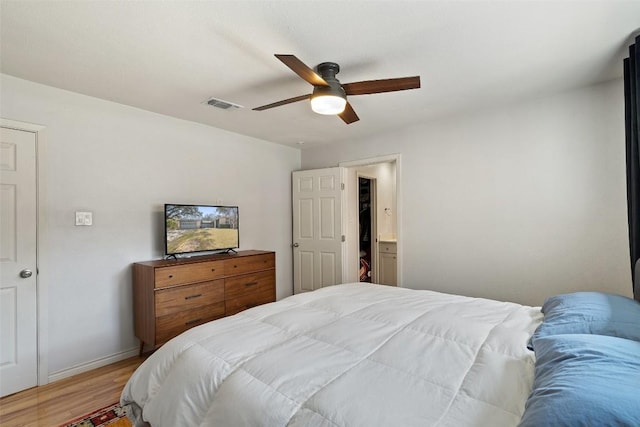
x: 112, y: 416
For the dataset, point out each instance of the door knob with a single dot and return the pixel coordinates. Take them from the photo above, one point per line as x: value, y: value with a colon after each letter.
x: 26, y: 273
x: 295, y: 245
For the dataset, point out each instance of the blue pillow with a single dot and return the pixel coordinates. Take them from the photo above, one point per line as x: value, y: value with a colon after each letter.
x: 590, y: 313
x: 584, y: 380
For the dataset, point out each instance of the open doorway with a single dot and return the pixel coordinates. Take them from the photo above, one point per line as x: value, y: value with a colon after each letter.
x: 373, y: 250
x: 367, y: 229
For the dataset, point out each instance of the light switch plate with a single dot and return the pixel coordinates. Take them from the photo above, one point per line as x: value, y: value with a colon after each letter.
x: 84, y: 218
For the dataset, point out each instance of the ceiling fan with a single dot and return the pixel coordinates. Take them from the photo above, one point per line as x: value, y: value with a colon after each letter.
x: 329, y: 96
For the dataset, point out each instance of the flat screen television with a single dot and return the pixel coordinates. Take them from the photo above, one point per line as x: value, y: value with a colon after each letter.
x: 200, y: 228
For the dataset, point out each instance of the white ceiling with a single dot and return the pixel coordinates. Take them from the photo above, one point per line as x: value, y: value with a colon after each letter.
x: 171, y: 56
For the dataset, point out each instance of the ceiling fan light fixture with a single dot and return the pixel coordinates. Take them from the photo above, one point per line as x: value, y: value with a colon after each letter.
x: 329, y: 95
x: 328, y: 100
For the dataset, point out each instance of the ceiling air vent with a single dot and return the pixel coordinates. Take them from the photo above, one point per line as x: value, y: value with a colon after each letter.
x: 224, y: 105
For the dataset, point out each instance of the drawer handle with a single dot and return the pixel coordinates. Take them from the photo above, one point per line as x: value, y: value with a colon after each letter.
x: 193, y: 296
x: 171, y: 276
x: 246, y: 285
x: 191, y: 322
x: 213, y: 269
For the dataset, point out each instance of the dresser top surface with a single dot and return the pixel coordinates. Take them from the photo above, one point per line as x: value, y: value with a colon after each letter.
x: 202, y: 258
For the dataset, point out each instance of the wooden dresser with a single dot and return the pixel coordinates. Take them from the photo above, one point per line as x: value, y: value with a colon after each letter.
x: 171, y: 296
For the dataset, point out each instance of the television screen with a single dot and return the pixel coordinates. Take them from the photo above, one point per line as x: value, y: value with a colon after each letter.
x: 200, y: 228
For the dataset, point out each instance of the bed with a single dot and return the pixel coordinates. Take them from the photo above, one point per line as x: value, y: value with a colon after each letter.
x: 345, y: 355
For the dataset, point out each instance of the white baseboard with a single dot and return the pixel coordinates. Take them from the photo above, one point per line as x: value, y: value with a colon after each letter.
x: 94, y: 364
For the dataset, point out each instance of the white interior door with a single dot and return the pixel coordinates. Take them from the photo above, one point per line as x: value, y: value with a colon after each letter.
x: 317, y: 228
x: 18, y: 315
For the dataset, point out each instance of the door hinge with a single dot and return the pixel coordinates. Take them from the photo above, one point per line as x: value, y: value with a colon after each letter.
x: 344, y: 239
x: 342, y: 185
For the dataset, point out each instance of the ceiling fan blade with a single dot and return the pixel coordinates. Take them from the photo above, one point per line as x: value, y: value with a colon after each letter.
x: 349, y: 115
x: 301, y: 69
x: 378, y: 86
x: 283, y: 102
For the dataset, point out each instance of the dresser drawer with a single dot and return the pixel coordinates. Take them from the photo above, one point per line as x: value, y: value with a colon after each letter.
x: 173, y: 300
x: 171, y: 325
x: 248, y: 264
x: 249, y: 284
x: 171, y: 296
x: 197, y: 272
x: 236, y: 305
x: 387, y: 247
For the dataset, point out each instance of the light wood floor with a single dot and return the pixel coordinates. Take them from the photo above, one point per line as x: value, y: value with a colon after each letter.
x: 67, y: 399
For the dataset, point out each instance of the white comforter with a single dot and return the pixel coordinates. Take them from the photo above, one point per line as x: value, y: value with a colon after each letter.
x: 346, y: 355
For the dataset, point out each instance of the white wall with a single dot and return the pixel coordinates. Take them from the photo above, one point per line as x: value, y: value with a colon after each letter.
x: 515, y: 203
x: 123, y: 164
